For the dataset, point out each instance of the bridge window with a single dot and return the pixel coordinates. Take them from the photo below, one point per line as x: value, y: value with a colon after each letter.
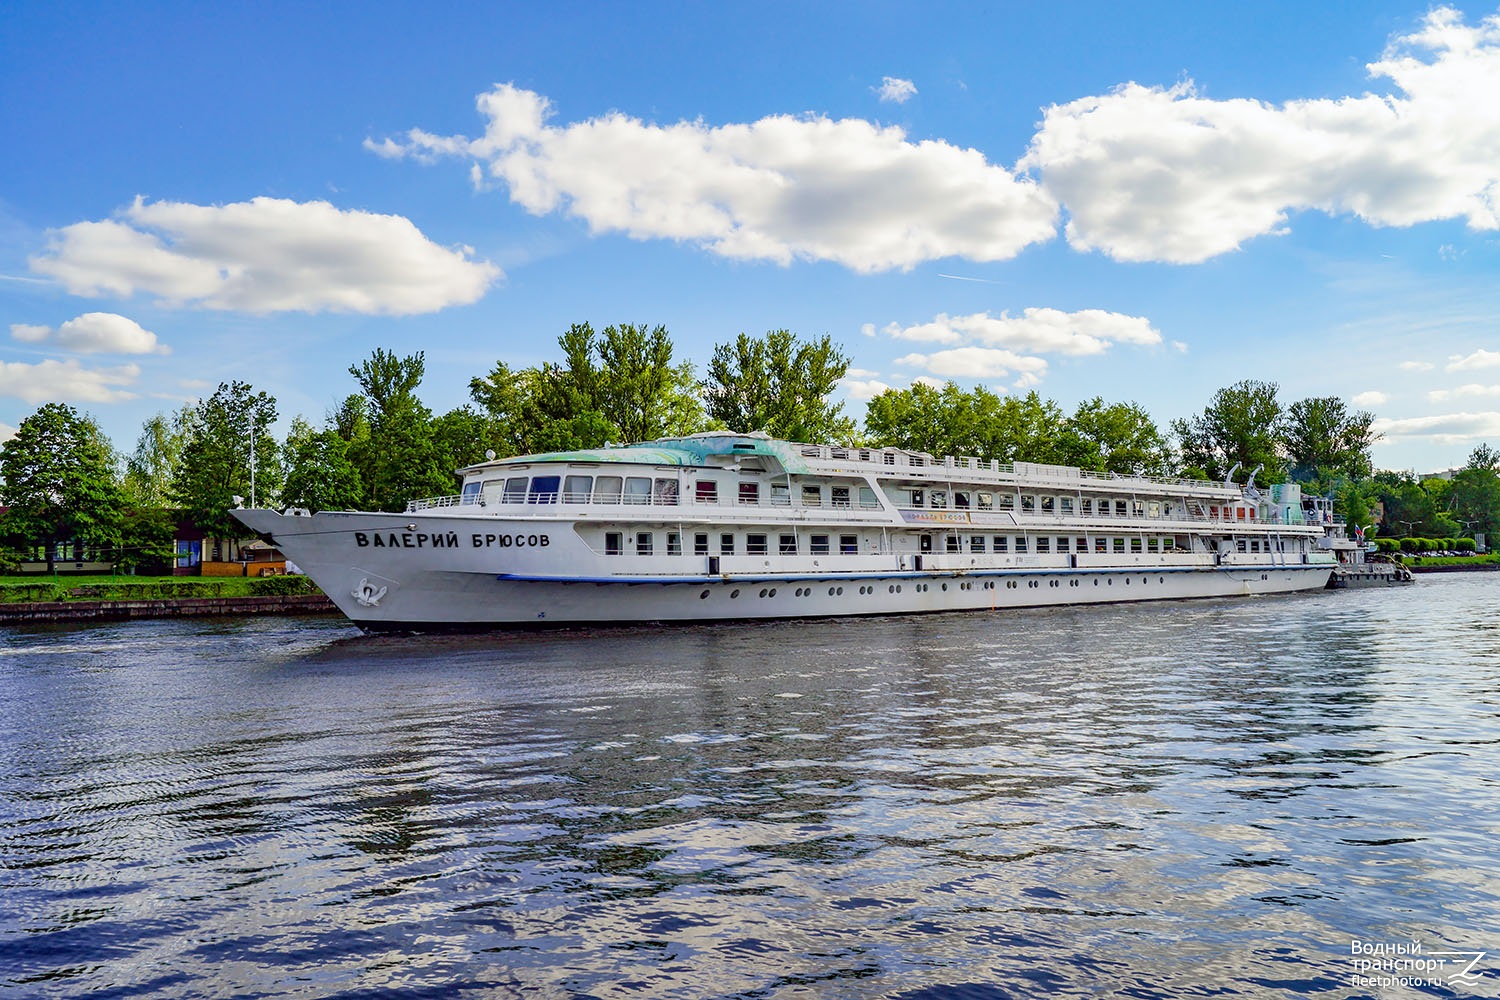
x: 576, y: 489
x: 515, y: 489
x: 544, y: 489
x: 607, y: 489
x: 637, y: 490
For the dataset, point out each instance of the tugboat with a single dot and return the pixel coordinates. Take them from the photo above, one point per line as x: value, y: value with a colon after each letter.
x: 1358, y: 565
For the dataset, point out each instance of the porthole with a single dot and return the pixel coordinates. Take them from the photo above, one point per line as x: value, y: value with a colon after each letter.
x: 841, y: 591
x: 830, y: 591
x: 773, y: 592
x: 763, y: 592
x: 703, y: 595
x: 945, y: 586
x: 733, y: 594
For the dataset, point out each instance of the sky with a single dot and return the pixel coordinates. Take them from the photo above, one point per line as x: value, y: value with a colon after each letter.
x: 1141, y: 201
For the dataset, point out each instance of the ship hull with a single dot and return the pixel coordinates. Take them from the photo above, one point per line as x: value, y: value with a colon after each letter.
x: 406, y: 572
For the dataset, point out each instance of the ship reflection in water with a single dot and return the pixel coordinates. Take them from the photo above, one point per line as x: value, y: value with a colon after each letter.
x: 1157, y: 800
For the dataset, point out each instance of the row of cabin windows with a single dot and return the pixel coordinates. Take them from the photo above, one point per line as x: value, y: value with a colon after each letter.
x: 756, y: 544
x: 1029, y: 503
x: 1023, y: 545
x: 646, y: 490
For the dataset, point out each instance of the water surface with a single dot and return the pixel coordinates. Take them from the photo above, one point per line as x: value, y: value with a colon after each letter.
x: 1211, y: 798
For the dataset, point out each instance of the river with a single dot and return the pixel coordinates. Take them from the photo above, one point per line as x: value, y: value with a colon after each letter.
x: 1261, y: 797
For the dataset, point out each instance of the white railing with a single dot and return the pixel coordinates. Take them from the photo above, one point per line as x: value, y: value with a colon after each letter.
x: 529, y: 499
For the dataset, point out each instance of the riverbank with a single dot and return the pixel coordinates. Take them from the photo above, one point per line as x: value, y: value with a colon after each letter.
x: 23, y: 612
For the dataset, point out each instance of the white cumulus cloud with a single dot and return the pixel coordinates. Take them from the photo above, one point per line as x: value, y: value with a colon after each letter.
x: 1371, y: 398
x: 1150, y: 173
x: 49, y: 381
x: 1443, y: 428
x: 1416, y: 366
x: 1036, y: 330
x: 896, y: 90
x: 975, y: 362
x: 94, y: 333
x: 1479, y: 359
x: 1472, y: 389
x: 264, y: 255
x: 780, y: 189
x: 863, y: 389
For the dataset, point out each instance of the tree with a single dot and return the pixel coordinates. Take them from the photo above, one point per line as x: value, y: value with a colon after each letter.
x: 225, y: 432
x: 158, y: 452
x: 621, y: 385
x: 59, y: 481
x: 953, y: 421
x: 1476, y: 493
x: 1325, y: 441
x: 319, y: 473
x: 1115, y: 437
x: 400, y: 461
x: 780, y: 385
x: 1239, y: 427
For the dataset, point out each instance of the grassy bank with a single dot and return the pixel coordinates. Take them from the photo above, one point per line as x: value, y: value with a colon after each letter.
x: 17, y: 589
x: 1489, y: 559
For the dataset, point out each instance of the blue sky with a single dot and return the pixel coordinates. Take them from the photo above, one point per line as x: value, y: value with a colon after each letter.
x: 1141, y: 201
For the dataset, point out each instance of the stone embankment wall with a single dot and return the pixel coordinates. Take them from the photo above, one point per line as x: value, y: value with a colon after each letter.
x: 80, y: 611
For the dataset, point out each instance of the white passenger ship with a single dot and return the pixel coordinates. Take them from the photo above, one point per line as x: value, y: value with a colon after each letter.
x: 740, y: 526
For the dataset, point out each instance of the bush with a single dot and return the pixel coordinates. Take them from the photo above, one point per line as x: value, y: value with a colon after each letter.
x: 283, y: 586
x: 1387, y: 545
x: 1465, y: 545
x: 1410, y: 545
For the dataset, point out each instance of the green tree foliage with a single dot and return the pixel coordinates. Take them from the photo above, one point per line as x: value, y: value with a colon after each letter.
x: 214, y: 466
x: 1325, y: 441
x: 158, y: 452
x: 1476, y: 494
x: 460, y: 437
x: 1115, y: 437
x: 58, y: 478
x: 779, y: 384
x: 319, y: 473
x: 618, y: 385
x: 1240, y: 426
x: 147, y: 540
x: 954, y: 421
x: 400, y: 460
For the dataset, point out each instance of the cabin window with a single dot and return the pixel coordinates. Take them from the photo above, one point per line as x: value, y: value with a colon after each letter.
x: 976, y: 543
x: 755, y: 545
x: 643, y: 543
x: 750, y: 493
x: 700, y: 545
x: 1101, y: 545
x: 867, y: 499
x: 1153, y: 509
x: 781, y: 495
x: 637, y: 490
x: 706, y: 491
x: 1062, y: 545
x: 840, y: 496
x: 889, y: 456
x: 1044, y: 545
x: 1086, y: 507
x: 1135, y: 546
x: 614, y: 543
x: 939, y: 499
x: 607, y: 489
x: 915, y: 498
x: 471, y: 492
x: 986, y: 501
x: 960, y: 500
x: 1119, y: 508
x: 849, y: 545
x: 1080, y: 545
x: 1151, y: 545
x: 515, y: 489
x: 1028, y: 504
x: 576, y: 489
x: 950, y: 543
x: 1138, y: 508
x: 1002, y: 543
x: 544, y: 489
x: 666, y: 492
x: 674, y: 544
x: 918, y: 460
x: 1021, y: 544
x: 812, y: 496
x: 787, y: 545
x: 1119, y: 545
x: 820, y: 545
x: 1049, y: 505
x: 1242, y: 545
x: 864, y: 455
x: 726, y: 544
x: 1065, y: 505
